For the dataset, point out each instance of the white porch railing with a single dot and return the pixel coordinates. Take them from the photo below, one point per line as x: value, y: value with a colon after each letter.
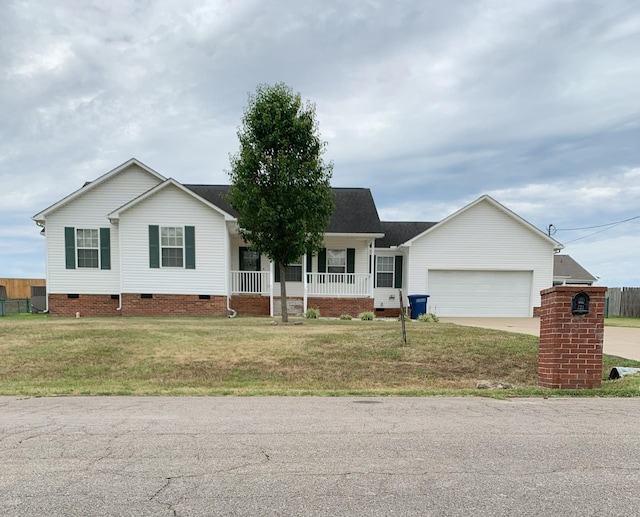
x: 339, y: 284
x: 250, y: 282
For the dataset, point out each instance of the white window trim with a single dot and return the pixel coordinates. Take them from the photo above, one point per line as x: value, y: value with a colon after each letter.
x: 162, y: 266
x: 78, y: 248
x: 393, y: 271
x: 343, y: 252
x: 295, y: 264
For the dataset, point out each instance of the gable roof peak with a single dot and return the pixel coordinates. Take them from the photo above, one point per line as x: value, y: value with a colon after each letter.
x: 487, y: 198
x: 90, y: 185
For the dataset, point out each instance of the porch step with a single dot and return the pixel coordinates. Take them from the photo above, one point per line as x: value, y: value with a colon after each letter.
x: 295, y: 307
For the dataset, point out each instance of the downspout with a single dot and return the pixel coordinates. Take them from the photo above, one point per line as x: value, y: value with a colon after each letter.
x: 119, y: 309
x: 46, y: 265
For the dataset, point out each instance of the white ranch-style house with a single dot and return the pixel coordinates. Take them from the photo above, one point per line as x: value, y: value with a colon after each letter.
x: 135, y: 243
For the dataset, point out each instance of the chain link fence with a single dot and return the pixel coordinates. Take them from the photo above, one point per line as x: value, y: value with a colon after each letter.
x: 21, y: 306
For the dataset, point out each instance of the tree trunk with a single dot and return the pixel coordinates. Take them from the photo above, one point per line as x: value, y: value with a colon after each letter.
x: 283, y: 294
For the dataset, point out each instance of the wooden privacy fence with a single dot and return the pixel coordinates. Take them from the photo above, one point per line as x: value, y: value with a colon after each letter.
x: 20, y: 287
x: 623, y: 301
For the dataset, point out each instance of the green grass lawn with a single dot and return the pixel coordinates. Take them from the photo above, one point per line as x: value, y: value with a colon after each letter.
x: 250, y: 356
x: 621, y: 322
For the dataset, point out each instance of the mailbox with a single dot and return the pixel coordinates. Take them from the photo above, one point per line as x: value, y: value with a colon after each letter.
x: 580, y: 303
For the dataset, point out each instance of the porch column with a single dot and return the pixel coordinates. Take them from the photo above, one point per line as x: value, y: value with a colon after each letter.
x: 271, y: 277
x: 305, y: 286
x: 372, y: 268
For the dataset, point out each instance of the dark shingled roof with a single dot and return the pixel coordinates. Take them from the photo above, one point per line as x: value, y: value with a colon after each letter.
x: 396, y: 233
x: 565, y: 266
x: 355, y: 210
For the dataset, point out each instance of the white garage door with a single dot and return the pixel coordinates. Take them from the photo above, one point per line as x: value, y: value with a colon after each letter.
x: 480, y: 293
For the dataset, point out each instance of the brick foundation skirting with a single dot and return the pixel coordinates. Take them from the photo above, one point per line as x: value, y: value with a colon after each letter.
x: 89, y: 305
x: 250, y: 304
x: 335, y: 307
x: 388, y: 312
x: 191, y: 305
x: 173, y: 305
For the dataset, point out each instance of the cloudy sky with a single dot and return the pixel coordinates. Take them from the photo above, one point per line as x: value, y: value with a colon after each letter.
x: 430, y: 104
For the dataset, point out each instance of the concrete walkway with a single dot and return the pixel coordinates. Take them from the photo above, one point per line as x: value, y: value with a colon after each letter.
x: 618, y: 341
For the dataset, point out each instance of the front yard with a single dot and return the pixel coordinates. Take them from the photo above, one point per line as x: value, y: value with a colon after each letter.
x: 250, y: 356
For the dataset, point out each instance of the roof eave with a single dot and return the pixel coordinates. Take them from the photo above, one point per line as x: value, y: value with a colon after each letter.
x: 355, y: 234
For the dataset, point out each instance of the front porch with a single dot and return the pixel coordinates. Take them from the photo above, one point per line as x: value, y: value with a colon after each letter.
x: 332, y: 293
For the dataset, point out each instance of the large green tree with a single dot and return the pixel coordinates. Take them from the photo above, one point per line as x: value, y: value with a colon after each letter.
x: 280, y: 185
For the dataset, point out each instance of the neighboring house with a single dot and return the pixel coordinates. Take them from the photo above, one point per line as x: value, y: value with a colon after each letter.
x: 134, y: 243
x: 566, y: 271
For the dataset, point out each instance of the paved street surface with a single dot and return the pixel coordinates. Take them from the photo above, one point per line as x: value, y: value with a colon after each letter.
x: 130, y: 456
x: 619, y: 341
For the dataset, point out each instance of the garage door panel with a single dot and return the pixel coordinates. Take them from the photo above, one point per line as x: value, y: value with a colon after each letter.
x: 480, y: 293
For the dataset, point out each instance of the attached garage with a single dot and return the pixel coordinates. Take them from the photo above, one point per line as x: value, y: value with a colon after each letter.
x: 480, y: 293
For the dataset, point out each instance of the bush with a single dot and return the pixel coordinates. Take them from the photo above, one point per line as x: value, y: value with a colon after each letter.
x: 312, y: 314
x: 345, y: 317
x: 428, y: 318
x: 367, y: 316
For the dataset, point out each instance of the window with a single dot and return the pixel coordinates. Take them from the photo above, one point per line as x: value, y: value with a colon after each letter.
x: 293, y: 272
x: 172, y: 244
x: 336, y: 261
x: 384, y: 271
x: 88, y: 248
x: 389, y: 271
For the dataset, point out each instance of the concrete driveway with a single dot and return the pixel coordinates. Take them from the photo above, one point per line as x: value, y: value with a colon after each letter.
x: 618, y: 341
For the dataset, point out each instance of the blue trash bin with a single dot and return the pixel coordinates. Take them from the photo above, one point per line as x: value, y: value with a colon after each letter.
x: 418, y: 304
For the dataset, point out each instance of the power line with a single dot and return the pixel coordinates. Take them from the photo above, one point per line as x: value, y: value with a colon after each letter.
x: 597, y: 226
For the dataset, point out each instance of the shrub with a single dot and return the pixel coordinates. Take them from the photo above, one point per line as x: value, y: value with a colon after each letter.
x: 367, y: 316
x: 428, y: 318
x: 312, y: 314
x: 345, y: 317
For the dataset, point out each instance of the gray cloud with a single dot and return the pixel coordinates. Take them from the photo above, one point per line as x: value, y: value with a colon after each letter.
x: 429, y: 104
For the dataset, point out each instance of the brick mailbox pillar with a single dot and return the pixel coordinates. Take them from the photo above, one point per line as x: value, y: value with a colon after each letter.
x: 571, y: 336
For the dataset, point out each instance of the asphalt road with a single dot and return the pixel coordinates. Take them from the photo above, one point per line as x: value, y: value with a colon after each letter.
x: 129, y: 456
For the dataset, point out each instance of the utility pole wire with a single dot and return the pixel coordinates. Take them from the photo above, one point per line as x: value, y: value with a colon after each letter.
x: 599, y: 231
x: 597, y: 226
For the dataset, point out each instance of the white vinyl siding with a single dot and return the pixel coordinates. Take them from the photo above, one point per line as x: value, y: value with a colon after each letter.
x: 482, y: 238
x: 171, y: 207
x: 90, y: 211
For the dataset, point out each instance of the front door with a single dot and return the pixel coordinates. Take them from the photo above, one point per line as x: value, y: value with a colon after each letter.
x: 250, y: 261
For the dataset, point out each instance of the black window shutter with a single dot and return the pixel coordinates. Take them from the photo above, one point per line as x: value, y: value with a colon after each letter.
x: 375, y: 269
x: 189, y: 247
x: 277, y: 266
x: 309, y: 267
x: 322, y: 261
x: 154, y: 246
x: 70, y: 247
x: 398, y: 272
x: 351, y: 260
x: 105, y: 248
